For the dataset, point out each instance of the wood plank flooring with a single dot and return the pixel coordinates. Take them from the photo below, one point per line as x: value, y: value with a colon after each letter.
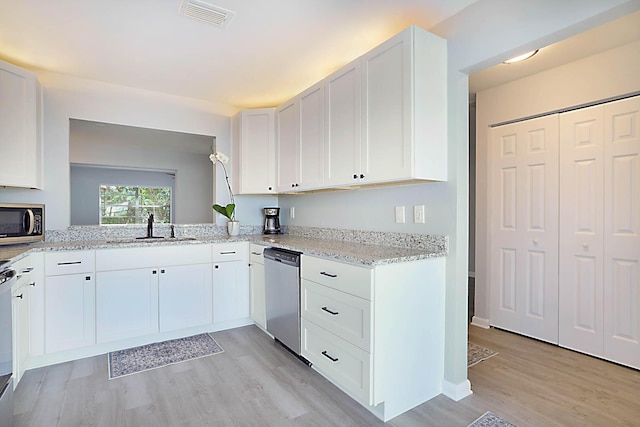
x: 257, y: 383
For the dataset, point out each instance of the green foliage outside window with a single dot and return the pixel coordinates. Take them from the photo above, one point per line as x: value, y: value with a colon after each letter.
x: 132, y: 205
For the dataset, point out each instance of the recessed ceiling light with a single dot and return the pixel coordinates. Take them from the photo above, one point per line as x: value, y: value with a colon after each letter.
x: 521, y: 57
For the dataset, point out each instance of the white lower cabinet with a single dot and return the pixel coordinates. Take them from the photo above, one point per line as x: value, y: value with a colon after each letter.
x: 185, y: 297
x: 70, y: 300
x: 343, y: 362
x: 231, y: 300
x: 21, y: 329
x: 69, y: 312
x: 257, y: 283
x: 373, y: 330
x: 126, y: 304
x: 230, y: 291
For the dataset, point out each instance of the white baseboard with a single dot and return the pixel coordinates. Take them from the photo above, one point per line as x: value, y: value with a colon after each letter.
x: 458, y: 391
x: 480, y: 322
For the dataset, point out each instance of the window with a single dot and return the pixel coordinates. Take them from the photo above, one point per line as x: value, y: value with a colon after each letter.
x: 132, y: 204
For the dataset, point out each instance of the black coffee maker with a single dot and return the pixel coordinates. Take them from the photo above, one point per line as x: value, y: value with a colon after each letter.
x: 271, y: 221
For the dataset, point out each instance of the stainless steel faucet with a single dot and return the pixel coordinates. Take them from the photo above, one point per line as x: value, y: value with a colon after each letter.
x: 150, y: 226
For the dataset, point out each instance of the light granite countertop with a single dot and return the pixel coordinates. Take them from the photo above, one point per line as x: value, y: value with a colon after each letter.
x: 340, y: 250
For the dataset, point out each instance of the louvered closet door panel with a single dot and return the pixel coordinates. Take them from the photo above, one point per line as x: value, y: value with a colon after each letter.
x: 621, y: 231
x: 538, y: 285
x: 524, y: 266
x: 505, y: 232
x: 581, y: 230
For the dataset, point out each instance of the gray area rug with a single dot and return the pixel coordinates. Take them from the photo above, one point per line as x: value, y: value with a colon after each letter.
x: 157, y: 355
x: 490, y: 420
x: 477, y: 353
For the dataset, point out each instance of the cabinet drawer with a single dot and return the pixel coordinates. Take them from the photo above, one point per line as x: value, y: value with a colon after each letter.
x: 229, y: 251
x: 256, y: 254
x: 342, y: 314
x: 344, y: 364
x: 348, y: 278
x: 57, y: 263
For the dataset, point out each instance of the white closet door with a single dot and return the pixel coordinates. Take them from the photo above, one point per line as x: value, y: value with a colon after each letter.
x: 581, y: 230
x: 524, y: 249
x: 621, y: 231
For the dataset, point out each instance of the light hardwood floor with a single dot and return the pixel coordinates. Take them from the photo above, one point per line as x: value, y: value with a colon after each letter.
x: 257, y: 383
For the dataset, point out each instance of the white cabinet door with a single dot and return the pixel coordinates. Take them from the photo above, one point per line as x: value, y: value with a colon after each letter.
x: 21, y: 330
x: 310, y: 152
x: 287, y: 118
x: 185, y: 297
x: 386, y: 110
x: 254, y: 152
x: 258, y: 305
x: 19, y: 128
x: 126, y: 304
x: 69, y: 312
x: 342, y: 125
x: 581, y: 230
x: 524, y: 242
x: 622, y: 231
x: 230, y: 291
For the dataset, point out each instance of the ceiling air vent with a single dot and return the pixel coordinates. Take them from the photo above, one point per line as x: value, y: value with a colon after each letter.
x: 206, y: 12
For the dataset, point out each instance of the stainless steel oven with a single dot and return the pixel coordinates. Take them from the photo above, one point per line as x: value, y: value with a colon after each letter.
x: 21, y: 223
x: 7, y: 279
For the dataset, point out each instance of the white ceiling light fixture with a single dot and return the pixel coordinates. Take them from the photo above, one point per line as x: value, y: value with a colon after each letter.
x: 522, y: 57
x: 206, y: 12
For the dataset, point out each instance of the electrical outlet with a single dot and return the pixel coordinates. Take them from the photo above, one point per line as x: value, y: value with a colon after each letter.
x: 418, y: 214
x: 400, y: 214
x: 292, y: 212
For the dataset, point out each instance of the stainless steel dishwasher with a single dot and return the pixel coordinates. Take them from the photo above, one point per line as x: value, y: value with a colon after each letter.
x: 282, y: 295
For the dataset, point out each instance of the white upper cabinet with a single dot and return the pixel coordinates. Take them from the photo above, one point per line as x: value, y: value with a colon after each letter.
x: 254, y: 152
x: 310, y: 154
x: 300, y: 142
x: 342, y: 125
x: 404, y: 109
x: 20, y: 138
x: 287, y: 119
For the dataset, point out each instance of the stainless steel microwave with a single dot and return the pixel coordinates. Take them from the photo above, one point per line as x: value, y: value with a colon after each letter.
x: 21, y: 223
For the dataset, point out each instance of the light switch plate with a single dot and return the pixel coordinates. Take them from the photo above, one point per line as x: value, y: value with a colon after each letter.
x: 292, y: 212
x: 400, y: 214
x: 418, y: 214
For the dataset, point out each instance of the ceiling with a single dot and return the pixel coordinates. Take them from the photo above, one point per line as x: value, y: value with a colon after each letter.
x: 270, y: 51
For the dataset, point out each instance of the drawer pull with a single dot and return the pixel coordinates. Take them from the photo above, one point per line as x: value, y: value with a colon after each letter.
x: 228, y: 253
x: 333, y: 359
x: 70, y: 263
x: 324, y: 273
x: 32, y: 284
x: 27, y: 270
x: 333, y: 313
x: 256, y: 253
x: 19, y: 296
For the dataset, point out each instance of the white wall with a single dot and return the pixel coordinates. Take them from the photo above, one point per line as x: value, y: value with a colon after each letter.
x: 609, y: 74
x: 66, y: 97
